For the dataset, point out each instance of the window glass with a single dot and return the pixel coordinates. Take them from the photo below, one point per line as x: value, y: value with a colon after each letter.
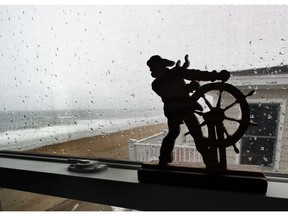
x: 260, y: 142
x: 74, y: 79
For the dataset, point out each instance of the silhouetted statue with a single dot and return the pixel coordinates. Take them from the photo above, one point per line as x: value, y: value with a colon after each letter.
x: 208, y: 111
x: 179, y: 106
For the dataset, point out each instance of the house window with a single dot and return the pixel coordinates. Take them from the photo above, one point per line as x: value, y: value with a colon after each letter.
x: 258, y: 145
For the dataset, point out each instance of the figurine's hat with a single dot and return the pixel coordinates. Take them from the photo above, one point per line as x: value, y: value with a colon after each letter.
x: 156, y: 60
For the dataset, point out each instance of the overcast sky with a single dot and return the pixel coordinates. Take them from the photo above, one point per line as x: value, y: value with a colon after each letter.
x: 89, y: 57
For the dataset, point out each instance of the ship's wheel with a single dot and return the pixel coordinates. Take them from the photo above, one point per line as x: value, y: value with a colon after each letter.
x: 219, y: 127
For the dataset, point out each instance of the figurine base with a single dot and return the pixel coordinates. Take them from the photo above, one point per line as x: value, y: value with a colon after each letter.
x: 243, y: 178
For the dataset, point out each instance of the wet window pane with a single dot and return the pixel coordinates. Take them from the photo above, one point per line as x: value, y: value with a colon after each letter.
x: 268, y: 117
x: 260, y: 142
x: 74, y: 82
x: 74, y: 79
x: 258, y: 151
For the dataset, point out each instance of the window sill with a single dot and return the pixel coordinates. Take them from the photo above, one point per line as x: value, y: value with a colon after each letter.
x: 119, y: 186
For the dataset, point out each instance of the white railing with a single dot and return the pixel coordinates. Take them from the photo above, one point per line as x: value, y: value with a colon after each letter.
x: 148, y: 152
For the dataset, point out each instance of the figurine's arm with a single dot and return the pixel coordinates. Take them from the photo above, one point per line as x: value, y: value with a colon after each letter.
x: 185, y: 65
x: 193, y: 74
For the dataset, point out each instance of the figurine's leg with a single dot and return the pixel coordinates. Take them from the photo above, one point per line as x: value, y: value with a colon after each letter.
x: 209, y: 155
x: 166, y: 155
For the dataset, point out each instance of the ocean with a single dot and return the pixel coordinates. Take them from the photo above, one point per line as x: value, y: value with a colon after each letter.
x: 23, y: 130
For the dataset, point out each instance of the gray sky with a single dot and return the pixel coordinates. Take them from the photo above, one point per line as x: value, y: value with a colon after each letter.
x: 89, y: 57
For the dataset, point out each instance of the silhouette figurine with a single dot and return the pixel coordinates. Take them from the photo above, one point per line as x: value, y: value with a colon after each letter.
x: 169, y: 84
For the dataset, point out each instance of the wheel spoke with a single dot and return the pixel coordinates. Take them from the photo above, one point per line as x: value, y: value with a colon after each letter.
x: 203, y: 123
x: 207, y: 102
x: 226, y: 132
x: 219, y: 99
x: 199, y: 113
x: 232, y: 119
x: 220, y: 131
x: 229, y: 106
x: 211, y: 132
x: 236, y: 149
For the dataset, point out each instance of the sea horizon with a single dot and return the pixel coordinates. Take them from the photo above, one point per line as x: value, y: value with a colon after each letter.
x: 23, y: 130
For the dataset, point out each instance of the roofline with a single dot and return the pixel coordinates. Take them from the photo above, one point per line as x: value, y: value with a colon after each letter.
x: 269, y: 77
x: 274, y: 70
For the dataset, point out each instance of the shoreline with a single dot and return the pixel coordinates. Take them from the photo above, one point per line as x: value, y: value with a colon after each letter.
x: 32, y: 138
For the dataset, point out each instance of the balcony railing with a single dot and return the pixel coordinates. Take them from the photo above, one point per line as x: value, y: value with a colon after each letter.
x: 139, y: 151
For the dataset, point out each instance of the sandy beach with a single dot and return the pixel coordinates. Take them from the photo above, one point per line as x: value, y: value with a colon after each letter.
x: 112, y: 145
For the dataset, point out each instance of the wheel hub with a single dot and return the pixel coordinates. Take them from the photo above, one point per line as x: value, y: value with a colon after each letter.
x: 215, y: 115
